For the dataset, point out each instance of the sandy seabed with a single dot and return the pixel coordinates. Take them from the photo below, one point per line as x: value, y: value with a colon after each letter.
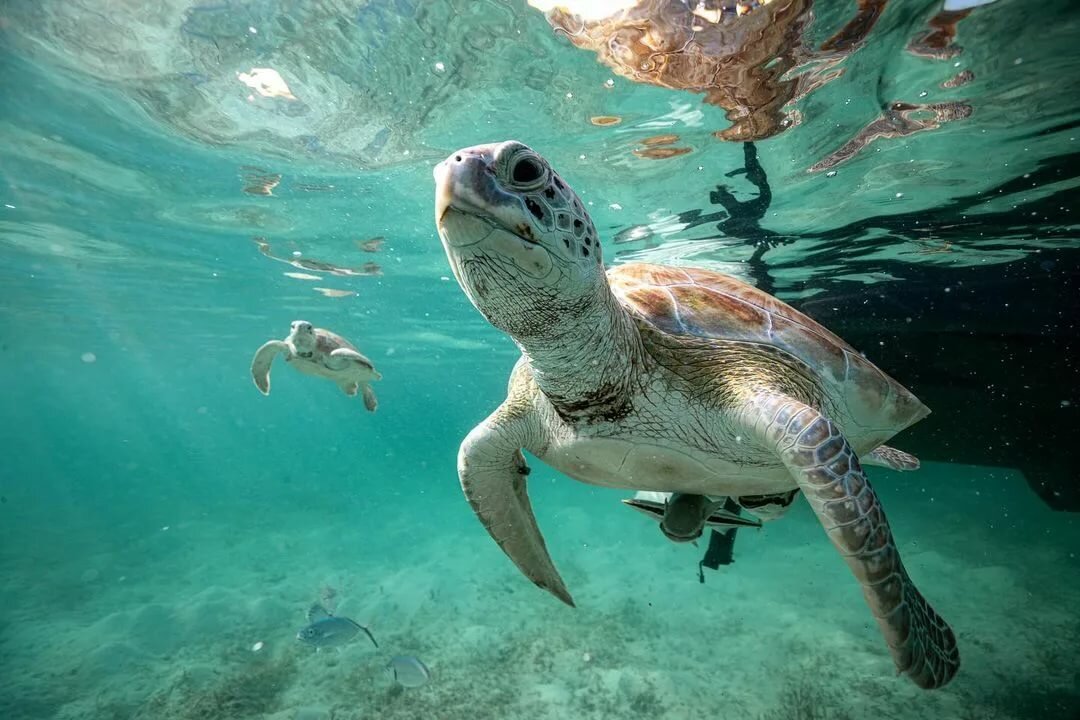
x: 164, y: 626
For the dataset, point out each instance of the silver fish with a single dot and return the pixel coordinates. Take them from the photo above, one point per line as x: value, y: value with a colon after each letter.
x: 332, y: 631
x: 408, y: 671
x: 317, y: 612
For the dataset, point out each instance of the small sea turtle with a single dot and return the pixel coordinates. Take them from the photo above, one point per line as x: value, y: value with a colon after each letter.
x: 646, y: 377
x: 319, y: 352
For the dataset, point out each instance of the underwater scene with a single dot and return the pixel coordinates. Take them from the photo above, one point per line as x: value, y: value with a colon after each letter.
x: 497, y: 359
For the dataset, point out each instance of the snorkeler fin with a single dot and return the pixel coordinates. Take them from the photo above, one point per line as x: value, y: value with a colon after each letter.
x: 718, y: 516
x: 721, y: 518
x: 653, y: 509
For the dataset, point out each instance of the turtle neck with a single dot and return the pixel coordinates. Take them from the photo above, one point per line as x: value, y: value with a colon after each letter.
x: 585, y: 361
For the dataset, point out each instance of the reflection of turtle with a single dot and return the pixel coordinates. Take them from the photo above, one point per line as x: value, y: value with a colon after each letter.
x: 647, y: 377
x: 742, y: 55
x: 314, y: 351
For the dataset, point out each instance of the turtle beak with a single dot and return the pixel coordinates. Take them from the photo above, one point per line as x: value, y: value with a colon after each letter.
x: 461, y: 179
x: 443, y: 196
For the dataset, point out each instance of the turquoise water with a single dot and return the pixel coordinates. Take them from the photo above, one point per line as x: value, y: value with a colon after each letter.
x: 161, y: 519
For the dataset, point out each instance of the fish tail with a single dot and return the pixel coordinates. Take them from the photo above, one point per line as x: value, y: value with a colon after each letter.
x: 370, y: 636
x: 366, y: 632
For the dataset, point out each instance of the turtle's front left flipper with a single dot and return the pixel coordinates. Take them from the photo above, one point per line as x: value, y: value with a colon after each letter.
x: 264, y: 358
x: 826, y: 469
x: 493, y: 475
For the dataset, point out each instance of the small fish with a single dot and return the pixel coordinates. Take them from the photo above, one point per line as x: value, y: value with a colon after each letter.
x: 408, y: 671
x: 334, y: 293
x: 372, y: 245
x: 317, y: 612
x: 330, y: 630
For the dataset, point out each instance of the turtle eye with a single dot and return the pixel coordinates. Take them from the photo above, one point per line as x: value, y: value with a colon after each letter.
x: 526, y: 171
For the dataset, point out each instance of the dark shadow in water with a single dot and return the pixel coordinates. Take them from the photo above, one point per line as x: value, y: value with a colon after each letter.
x: 988, y: 348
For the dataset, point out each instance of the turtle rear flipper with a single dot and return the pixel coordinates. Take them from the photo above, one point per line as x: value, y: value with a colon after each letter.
x: 890, y: 457
x: 370, y: 401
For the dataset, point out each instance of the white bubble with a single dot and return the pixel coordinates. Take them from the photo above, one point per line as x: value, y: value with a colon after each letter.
x: 89, y: 357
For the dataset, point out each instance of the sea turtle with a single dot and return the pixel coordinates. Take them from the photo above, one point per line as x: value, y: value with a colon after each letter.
x: 319, y: 352
x: 646, y: 377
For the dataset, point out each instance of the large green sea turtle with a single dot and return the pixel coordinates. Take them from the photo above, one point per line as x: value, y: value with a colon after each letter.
x: 648, y: 377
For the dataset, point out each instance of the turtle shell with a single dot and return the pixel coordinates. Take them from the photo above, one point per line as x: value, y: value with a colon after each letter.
x: 872, y: 407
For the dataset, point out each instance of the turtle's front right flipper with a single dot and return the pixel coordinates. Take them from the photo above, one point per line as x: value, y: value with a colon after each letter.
x: 260, y: 364
x: 492, y: 471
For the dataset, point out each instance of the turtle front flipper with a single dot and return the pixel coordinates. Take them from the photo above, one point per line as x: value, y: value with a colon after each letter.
x: 492, y: 471
x: 820, y: 459
x: 264, y: 358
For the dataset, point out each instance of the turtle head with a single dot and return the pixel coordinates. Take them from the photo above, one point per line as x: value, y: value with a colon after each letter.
x: 302, y: 335
x: 518, y: 238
